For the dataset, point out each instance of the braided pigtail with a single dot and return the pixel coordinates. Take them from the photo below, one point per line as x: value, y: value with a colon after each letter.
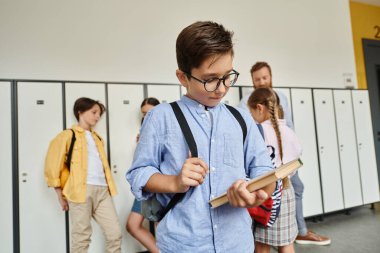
x: 272, y: 108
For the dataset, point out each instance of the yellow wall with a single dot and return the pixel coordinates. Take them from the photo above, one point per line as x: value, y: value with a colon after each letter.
x: 364, y: 18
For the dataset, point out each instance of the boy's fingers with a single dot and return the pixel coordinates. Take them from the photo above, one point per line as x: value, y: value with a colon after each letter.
x: 194, y: 175
x: 198, y: 161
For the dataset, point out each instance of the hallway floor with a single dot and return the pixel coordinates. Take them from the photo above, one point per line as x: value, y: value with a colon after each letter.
x: 358, y: 231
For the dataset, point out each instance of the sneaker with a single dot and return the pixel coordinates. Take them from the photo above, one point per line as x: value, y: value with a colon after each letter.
x: 313, y: 238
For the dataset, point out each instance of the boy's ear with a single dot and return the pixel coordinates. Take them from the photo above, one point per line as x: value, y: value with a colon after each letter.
x: 182, y: 78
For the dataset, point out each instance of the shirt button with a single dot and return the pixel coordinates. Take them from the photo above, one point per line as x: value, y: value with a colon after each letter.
x: 203, y: 115
x: 213, y: 169
x: 200, y: 105
x: 212, y: 196
x: 215, y: 226
x: 212, y: 140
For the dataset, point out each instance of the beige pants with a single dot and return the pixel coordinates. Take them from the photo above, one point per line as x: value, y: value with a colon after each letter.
x: 99, y: 206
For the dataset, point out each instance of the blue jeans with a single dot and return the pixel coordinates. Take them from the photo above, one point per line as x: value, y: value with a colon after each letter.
x: 298, y: 191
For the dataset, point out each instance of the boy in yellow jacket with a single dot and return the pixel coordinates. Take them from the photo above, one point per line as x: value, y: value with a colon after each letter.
x: 86, y: 188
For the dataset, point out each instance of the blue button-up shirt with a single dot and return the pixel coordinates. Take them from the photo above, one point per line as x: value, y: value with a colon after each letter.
x: 192, y: 225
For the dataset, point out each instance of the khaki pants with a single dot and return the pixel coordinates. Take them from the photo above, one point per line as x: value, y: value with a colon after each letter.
x: 99, y: 206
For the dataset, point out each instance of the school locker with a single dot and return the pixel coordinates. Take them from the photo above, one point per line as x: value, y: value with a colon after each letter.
x: 6, y: 216
x: 40, y: 119
x: 352, y: 194
x: 124, y: 123
x: 328, y: 150
x: 94, y: 91
x: 304, y: 125
x: 365, y: 146
x: 164, y: 93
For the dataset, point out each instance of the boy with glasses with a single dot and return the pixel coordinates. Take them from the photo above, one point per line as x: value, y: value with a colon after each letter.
x: 162, y: 165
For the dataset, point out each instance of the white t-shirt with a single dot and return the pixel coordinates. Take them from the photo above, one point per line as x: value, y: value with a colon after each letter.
x: 95, y: 171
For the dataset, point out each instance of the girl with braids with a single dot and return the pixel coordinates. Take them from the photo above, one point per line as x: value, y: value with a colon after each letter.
x: 265, y: 109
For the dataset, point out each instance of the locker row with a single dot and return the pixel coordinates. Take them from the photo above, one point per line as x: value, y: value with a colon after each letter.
x: 334, y: 127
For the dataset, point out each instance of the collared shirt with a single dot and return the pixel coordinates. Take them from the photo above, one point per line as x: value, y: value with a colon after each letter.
x: 283, y: 102
x: 192, y: 226
x: 56, y: 172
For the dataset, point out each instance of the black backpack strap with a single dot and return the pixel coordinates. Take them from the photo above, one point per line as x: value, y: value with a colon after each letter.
x: 193, y: 149
x: 70, y: 153
x: 185, y: 129
x: 240, y: 119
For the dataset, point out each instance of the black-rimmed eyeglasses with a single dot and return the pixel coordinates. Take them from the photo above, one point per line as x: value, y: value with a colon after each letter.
x: 213, y: 84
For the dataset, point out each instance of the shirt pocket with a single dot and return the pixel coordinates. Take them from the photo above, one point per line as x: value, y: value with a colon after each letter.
x: 232, y: 150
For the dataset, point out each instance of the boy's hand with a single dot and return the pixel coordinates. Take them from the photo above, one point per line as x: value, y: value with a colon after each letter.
x: 239, y: 196
x: 62, y: 200
x: 193, y: 173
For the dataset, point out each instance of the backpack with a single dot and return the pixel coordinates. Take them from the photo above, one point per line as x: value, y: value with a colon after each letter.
x: 151, y: 208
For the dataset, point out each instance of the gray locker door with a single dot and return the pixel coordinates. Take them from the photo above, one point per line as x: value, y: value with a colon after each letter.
x: 328, y: 151
x: 94, y: 91
x: 303, y: 116
x: 232, y: 97
x: 366, y: 148
x: 40, y: 119
x: 124, y: 124
x: 348, y: 153
x: 164, y: 93
x: 6, y: 217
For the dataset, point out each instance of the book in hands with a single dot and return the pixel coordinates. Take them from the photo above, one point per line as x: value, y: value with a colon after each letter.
x: 262, y: 181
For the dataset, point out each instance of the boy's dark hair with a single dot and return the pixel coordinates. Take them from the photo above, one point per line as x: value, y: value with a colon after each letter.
x: 84, y: 104
x: 199, y: 41
x: 259, y: 65
x: 150, y: 101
